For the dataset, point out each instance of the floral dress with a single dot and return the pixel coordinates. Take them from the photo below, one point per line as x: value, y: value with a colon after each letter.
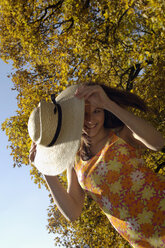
x: 130, y: 194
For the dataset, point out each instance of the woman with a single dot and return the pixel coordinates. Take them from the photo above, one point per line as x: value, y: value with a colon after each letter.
x: 109, y: 167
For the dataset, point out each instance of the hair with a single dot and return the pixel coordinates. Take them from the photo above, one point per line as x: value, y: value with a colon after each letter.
x: 122, y: 98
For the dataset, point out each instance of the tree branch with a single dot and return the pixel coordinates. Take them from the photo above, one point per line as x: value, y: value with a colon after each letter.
x: 86, y: 5
x: 53, y: 6
x: 120, y: 19
x: 160, y: 166
x: 132, y: 72
x: 71, y: 25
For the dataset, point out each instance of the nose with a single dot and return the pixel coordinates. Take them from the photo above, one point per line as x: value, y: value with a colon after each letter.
x: 88, y: 113
x: 88, y: 117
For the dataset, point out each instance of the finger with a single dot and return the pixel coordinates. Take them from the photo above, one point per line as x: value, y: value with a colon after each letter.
x: 80, y: 91
x: 86, y: 91
x: 83, y: 89
x: 32, y: 150
x: 32, y: 156
x: 33, y: 146
x: 92, y: 98
x: 90, y: 94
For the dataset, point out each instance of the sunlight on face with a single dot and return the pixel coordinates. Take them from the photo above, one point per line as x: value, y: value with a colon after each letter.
x: 94, y: 119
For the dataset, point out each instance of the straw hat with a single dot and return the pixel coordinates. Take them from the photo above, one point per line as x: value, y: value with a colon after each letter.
x: 56, y: 128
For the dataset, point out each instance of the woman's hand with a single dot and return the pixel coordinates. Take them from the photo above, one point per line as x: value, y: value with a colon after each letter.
x: 93, y: 94
x: 32, y: 152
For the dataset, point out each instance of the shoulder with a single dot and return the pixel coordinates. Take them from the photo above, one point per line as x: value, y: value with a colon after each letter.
x: 128, y: 136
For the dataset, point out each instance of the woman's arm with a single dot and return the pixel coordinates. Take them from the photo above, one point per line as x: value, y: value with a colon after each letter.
x: 70, y: 202
x: 140, y: 130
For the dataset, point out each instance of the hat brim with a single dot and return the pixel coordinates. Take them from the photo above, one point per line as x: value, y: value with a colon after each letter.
x: 56, y: 159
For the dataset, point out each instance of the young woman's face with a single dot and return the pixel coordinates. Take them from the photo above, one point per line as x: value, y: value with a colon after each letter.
x: 94, y: 120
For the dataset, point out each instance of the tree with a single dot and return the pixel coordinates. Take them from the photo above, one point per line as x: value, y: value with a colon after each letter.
x: 56, y: 43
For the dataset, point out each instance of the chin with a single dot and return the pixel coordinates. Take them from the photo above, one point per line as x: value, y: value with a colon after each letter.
x: 92, y: 133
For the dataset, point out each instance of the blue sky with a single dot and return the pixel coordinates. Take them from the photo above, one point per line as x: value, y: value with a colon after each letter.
x: 23, y: 214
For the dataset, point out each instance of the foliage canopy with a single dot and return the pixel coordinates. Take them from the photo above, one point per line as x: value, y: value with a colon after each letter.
x: 55, y: 43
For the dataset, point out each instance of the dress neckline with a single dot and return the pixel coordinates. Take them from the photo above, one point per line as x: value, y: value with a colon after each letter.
x: 112, y: 137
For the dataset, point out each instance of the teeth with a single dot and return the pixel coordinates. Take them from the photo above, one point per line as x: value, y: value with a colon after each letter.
x: 89, y: 127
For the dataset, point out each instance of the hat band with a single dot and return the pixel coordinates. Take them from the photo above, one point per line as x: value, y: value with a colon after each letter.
x: 58, y: 125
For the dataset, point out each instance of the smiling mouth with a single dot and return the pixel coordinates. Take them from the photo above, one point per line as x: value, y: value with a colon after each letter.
x: 90, y: 127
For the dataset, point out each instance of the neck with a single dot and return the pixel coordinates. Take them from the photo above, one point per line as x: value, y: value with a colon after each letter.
x: 97, y: 142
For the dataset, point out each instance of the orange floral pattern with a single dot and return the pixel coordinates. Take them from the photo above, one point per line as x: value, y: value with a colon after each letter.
x: 130, y: 194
